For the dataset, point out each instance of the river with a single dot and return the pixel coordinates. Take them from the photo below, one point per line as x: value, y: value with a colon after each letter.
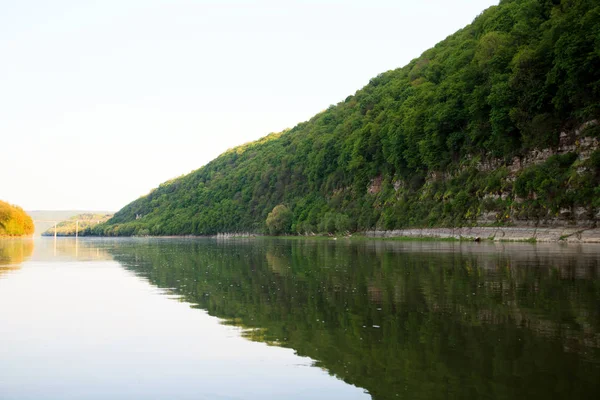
x: 297, y: 319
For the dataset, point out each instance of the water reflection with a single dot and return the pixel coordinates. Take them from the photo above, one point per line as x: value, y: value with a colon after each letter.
x: 417, y: 320
x: 13, y: 252
x: 64, y: 249
x: 79, y: 327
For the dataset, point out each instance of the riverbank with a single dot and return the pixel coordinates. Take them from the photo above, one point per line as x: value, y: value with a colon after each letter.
x: 508, y: 234
x: 498, y: 234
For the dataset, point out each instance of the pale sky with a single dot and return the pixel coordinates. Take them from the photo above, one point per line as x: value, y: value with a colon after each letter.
x: 101, y: 101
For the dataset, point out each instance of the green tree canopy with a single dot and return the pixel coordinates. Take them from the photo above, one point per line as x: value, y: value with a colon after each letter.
x: 279, y: 220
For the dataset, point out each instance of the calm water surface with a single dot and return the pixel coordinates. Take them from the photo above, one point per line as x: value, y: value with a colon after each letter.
x: 297, y: 319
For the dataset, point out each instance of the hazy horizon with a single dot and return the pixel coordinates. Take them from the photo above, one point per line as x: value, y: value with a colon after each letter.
x: 102, y: 102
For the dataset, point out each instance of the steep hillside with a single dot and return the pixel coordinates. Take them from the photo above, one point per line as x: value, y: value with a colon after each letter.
x: 495, y: 124
x: 14, y: 221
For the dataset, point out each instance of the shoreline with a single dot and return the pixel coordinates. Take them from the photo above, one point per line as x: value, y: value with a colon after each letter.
x: 495, y: 234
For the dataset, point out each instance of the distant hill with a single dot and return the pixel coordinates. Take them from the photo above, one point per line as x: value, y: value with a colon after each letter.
x: 77, y: 223
x: 39, y: 216
x: 14, y: 221
x: 496, y: 124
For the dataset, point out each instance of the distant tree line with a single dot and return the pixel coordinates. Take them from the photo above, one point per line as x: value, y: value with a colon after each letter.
x: 81, y: 224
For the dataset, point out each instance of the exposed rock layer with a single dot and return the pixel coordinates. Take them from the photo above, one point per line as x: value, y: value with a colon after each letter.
x: 571, y: 235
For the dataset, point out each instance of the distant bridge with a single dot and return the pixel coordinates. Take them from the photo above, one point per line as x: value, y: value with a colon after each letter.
x: 57, y: 221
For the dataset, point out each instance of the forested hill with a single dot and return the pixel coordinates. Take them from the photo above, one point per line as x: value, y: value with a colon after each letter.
x: 14, y: 221
x: 77, y: 223
x: 496, y: 123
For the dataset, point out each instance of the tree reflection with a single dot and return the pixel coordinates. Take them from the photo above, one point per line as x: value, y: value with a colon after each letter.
x: 402, y: 320
x: 13, y: 252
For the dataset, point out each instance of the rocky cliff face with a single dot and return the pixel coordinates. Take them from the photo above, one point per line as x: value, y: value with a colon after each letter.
x: 511, y: 206
x: 574, y: 142
x: 499, y: 234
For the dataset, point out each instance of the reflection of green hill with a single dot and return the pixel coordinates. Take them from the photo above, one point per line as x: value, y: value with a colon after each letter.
x: 419, y: 324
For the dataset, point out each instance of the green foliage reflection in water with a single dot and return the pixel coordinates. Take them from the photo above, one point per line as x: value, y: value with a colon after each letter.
x: 423, y: 320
